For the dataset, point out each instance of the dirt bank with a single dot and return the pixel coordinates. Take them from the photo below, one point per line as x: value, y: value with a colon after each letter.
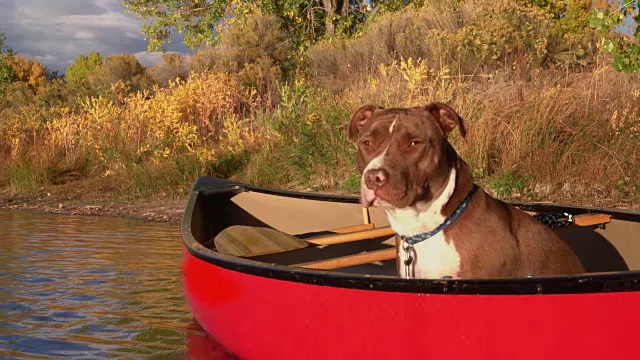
x: 83, y: 198
x: 161, y: 209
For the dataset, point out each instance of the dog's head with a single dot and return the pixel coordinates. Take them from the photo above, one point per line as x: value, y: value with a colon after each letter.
x: 403, y: 154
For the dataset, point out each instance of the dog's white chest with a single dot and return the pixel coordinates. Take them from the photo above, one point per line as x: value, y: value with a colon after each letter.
x: 432, y: 258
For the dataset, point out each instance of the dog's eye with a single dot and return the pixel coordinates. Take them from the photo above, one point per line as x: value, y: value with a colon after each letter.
x: 367, y: 142
x: 414, y: 143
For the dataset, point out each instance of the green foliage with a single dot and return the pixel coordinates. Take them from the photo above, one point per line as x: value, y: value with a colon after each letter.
x: 257, y: 50
x: 196, y: 19
x: 508, y: 184
x: 7, y: 73
x: 230, y: 165
x: 3, y: 39
x: 352, y: 183
x: 386, y: 6
x: 303, y: 21
x: 512, y: 34
x: 572, y: 38
x: 26, y: 177
x: 80, y: 70
x: 149, y: 179
x: 308, y: 146
x: 624, y: 48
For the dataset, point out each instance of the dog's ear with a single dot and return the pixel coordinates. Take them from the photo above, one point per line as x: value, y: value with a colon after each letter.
x: 447, y: 117
x: 359, y: 118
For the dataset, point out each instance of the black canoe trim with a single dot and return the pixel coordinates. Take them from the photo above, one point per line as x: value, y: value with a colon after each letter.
x: 625, y: 281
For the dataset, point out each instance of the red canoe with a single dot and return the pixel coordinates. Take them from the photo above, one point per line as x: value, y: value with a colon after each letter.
x: 266, y: 307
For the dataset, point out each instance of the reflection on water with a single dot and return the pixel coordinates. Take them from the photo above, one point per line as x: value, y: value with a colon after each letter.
x: 90, y: 287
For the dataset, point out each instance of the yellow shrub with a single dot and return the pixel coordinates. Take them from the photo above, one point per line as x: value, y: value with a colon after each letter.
x: 506, y: 31
x: 194, y: 117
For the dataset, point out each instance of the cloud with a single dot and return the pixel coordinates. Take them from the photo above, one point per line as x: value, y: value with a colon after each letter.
x: 149, y: 58
x: 46, y: 58
x: 56, y: 32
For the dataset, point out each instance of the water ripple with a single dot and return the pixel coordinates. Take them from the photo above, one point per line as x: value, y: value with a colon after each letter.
x: 85, y: 287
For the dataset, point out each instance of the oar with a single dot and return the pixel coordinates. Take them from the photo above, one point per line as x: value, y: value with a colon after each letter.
x: 240, y: 240
x: 351, y: 260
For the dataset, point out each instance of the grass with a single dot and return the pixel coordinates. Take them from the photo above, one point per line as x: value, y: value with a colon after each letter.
x: 164, y: 179
x: 508, y: 184
x: 23, y: 178
x: 573, y: 133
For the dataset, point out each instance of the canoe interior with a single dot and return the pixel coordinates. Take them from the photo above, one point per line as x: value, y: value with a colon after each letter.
x: 614, y: 248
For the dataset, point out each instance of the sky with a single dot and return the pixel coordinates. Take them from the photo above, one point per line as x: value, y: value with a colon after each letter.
x: 55, y: 32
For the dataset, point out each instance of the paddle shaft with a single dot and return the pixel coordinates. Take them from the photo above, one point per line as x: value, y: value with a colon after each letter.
x: 352, y: 236
x: 581, y: 220
x: 351, y: 260
x: 348, y: 229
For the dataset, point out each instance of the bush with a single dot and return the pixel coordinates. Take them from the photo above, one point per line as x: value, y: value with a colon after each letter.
x: 80, y: 70
x: 25, y: 70
x: 506, y: 33
x: 114, y: 136
x: 411, y: 33
x: 256, y: 50
x: 123, y: 68
x: 463, y: 38
x: 171, y: 69
x: 307, y: 145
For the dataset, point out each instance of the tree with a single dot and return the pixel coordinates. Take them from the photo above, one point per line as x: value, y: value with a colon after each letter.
x: 123, y: 67
x: 26, y: 70
x: 202, y: 20
x: 3, y: 38
x: 83, y: 67
x: 623, y: 21
x: 7, y: 74
x: 171, y: 68
x: 257, y: 51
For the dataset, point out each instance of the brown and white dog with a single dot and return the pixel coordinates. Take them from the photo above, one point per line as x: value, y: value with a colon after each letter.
x: 409, y: 167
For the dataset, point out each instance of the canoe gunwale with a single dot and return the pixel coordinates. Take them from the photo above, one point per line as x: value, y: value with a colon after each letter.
x: 622, y: 281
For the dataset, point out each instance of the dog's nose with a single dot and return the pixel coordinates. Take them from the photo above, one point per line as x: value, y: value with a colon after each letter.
x: 375, y: 178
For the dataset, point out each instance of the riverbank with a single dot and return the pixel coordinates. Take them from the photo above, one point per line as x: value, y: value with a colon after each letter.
x: 168, y: 209
x: 77, y: 199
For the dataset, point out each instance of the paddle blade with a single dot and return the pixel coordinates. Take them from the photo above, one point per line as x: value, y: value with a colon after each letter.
x: 240, y: 240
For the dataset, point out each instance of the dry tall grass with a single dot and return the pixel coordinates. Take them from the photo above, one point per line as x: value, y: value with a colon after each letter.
x: 538, y: 128
x: 118, y: 134
x: 559, y: 134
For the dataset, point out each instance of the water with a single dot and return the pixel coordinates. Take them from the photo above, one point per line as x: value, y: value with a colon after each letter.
x: 94, y: 287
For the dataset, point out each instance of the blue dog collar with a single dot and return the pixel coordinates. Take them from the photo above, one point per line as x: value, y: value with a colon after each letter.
x: 415, y: 239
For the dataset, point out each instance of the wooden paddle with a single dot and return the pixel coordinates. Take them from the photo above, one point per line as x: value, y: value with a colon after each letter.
x: 351, y: 260
x: 240, y: 240
x: 246, y: 241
